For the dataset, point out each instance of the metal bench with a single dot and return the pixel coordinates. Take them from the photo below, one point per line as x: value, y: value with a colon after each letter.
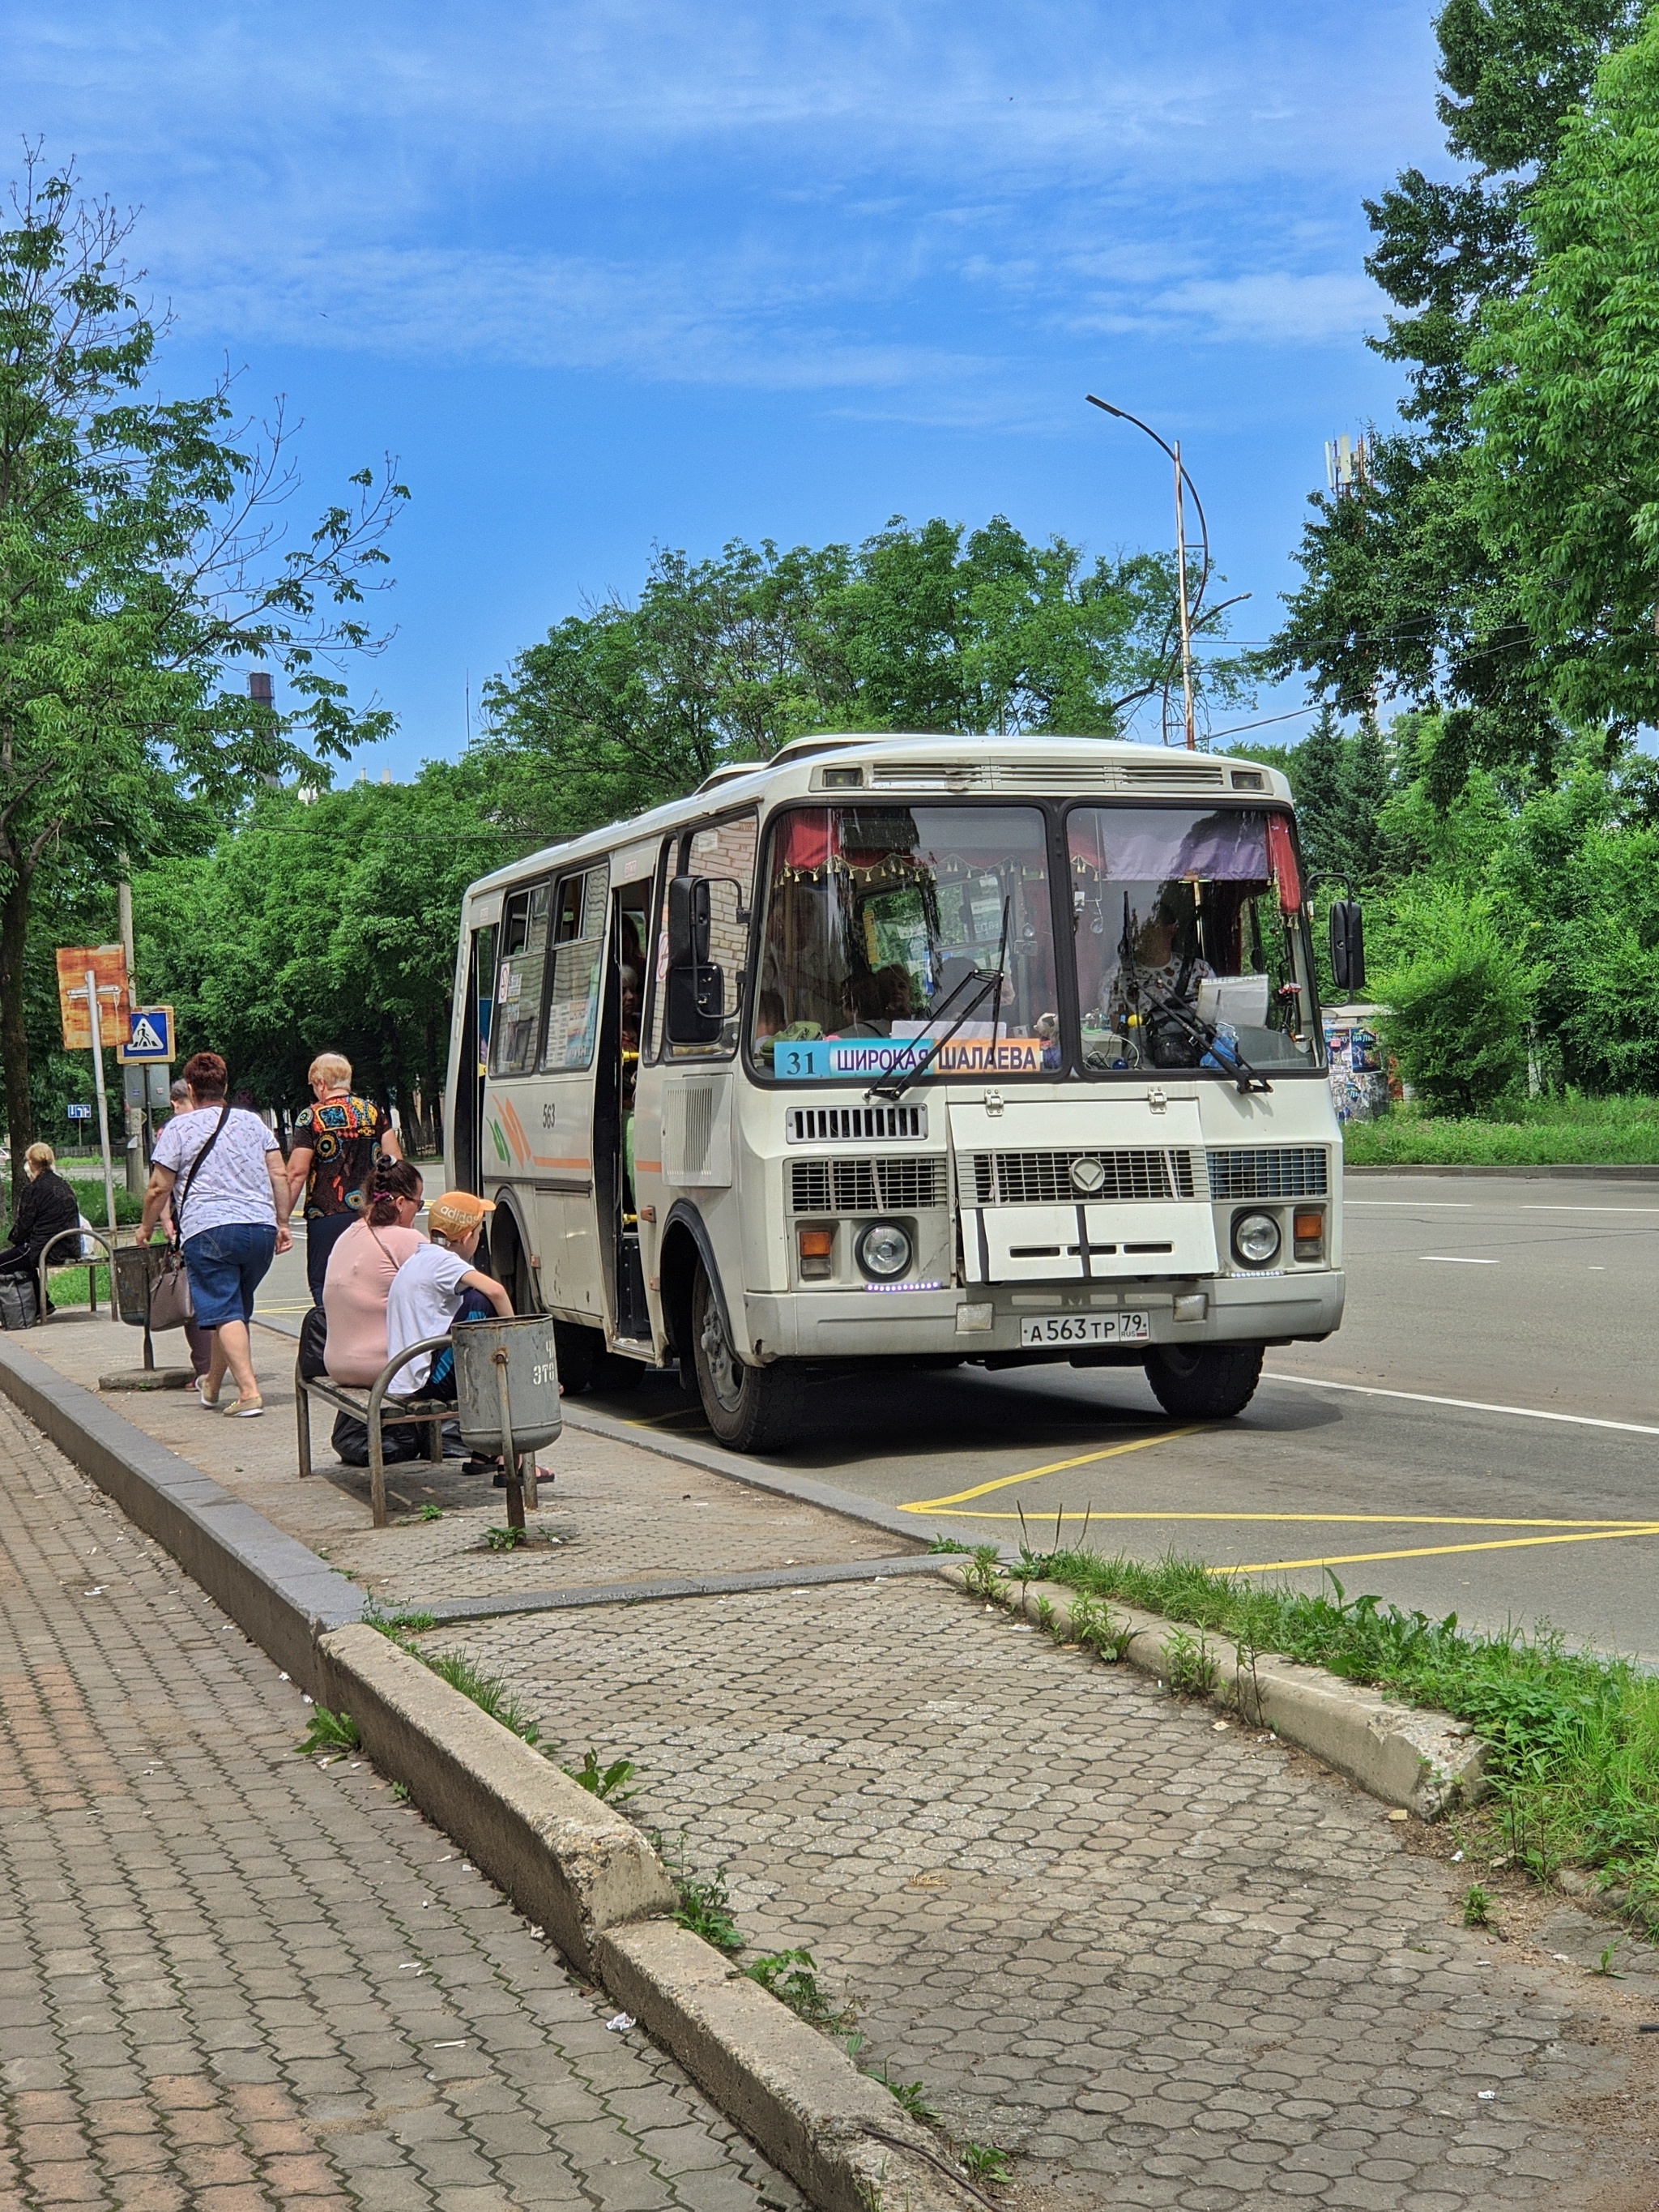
x: 369, y: 1407
x: 93, y: 1265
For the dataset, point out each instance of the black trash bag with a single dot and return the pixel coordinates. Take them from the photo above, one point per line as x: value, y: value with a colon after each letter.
x: 20, y: 1303
x: 351, y: 1442
x: 314, y: 1346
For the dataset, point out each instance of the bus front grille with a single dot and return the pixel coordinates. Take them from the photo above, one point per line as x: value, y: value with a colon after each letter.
x: 853, y: 1125
x: 1046, y: 1178
x: 1270, y: 1171
x: 901, y: 1186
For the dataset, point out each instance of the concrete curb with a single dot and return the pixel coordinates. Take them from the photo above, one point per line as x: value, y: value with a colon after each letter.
x: 574, y: 1865
x: 757, y: 1475
x: 274, y: 1587
x: 1406, y: 1756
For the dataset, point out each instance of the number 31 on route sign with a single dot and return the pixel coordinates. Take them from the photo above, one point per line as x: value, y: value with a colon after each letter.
x: 150, y: 1036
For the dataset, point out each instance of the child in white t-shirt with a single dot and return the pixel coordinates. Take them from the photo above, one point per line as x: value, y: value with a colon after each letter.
x: 437, y: 1286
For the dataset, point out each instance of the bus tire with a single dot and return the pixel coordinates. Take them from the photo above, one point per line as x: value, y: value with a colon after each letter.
x: 749, y: 1408
x: 1210, y: 1383
x: 578, y: 1351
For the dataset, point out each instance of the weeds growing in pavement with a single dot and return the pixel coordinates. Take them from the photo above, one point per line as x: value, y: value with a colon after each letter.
x: 1604, y: 1964
x: 499, y: 1539
x: 938, y: 1543
x: 1477, y: 1906
x: 608, y: 1783
x: 400, y: 1790
x: 488, y: 1692
x: 1189, y: 1664
x: 1572, y: 1738
x: 910, y: 2094
x: 327, y: 1731
x: 985, y: 2163
x: 705, y: 1901
x: 402, y: 1621
x: 984, y: 1577
x: 1093, y: 1627
x: 429, y: 1511
x: 792, y: 1977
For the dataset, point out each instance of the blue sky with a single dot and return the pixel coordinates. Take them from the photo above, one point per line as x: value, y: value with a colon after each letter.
x: 603, y: 277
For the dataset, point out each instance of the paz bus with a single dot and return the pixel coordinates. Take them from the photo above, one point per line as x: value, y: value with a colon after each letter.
x: 926, y: 1049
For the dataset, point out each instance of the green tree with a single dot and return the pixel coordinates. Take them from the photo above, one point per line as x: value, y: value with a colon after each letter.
x: 1403, y: 588
x: 928, y: 628
x: 140, y: 562
x: 1565, y: 481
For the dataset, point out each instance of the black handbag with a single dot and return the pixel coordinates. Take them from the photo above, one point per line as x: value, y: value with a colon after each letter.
x: 351, y: 1442
x: 314, y: 1346
x: 20, y: 1303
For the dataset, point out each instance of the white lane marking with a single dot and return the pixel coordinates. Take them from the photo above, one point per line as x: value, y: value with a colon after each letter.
x: 1457, y: 1260
x: 1541, y: 1208
x: 1466, y: 1405
x: 1421, y: 1205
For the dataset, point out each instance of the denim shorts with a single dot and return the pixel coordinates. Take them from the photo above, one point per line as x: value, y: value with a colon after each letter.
x: 226, y: 1266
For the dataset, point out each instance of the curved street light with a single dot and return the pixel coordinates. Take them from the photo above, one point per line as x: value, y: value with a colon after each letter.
x: 1189, y: 613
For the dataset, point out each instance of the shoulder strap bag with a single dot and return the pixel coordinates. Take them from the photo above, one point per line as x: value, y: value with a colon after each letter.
x: 170, y: 1302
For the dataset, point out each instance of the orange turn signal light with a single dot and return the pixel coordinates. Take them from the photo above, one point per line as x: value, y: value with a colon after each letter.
x: 817, y: 1243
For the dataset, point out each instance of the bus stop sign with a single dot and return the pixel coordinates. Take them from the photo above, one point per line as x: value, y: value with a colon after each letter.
x: 150, y: 1036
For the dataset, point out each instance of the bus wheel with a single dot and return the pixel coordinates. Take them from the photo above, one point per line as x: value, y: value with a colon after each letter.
x: 750, y: 1408
x: 1208, y: 1384
x: 578, y: 1351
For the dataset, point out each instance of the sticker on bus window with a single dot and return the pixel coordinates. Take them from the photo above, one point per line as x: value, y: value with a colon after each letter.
x: 831, y: 1059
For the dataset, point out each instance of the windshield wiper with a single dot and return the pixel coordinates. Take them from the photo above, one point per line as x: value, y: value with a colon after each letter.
x: 1227, y: 1057
x: 976, y: 985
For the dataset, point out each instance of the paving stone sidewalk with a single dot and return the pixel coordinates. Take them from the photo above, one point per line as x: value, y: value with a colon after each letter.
x: 1168, y: 1962
x: 232, y: 1979
x: 609, y: 1514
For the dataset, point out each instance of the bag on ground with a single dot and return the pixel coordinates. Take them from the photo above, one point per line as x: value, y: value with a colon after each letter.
x: 20, y: 1305
x: 350, y: 1441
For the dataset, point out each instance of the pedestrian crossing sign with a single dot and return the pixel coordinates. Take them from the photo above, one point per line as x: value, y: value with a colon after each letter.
x: 150, y: 1036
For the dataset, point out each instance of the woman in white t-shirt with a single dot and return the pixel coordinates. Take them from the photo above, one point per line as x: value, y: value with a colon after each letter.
x: 223, y: 1171
x: 435, y: 1287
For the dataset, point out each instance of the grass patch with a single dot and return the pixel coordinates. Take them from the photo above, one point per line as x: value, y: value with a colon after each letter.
x: 1534, y: 1132
x: 401, y: 1621
x: 1572, y: 1738
x: 488, y: 1692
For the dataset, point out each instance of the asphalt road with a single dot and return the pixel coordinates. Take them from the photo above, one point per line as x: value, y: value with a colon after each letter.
x: 1533, y: 1496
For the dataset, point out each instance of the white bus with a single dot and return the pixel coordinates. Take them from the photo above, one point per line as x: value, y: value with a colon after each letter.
x: 918, y: 1048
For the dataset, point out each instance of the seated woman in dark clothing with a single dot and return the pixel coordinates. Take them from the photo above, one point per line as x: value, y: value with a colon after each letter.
x: 47, y: 1204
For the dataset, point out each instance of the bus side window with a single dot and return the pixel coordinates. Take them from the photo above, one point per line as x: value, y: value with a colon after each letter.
x: 725, y: 854
x: 578, y: 918
x: 518, y: 1011
x: 657, y: 967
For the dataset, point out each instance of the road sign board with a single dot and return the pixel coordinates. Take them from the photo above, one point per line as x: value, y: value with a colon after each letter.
x: 78, y: 1112
x: 108, y: 963
x: 148, y: 1035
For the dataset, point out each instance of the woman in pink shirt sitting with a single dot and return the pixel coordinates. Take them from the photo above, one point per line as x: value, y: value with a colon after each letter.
x: 361, y: 1267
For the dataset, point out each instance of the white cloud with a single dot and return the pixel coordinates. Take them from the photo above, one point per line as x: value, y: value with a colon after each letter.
x: 1274, y: 308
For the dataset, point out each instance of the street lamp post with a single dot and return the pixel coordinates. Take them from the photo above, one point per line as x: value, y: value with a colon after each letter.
x: 1188, y: 611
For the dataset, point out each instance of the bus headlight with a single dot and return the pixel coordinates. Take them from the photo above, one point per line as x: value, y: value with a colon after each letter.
x: 1256, y: 1239
x: 883, y: 1250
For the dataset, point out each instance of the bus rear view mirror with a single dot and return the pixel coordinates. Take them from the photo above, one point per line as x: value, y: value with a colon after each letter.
x: 688, y: 921
x: 697, y: 993
x: 1348, y: 947
x: 696, y: 988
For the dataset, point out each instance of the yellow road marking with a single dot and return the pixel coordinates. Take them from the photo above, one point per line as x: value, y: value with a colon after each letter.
x: 1434, y: 1551
x: 1055, y: 1467
x: 1391, y: 1520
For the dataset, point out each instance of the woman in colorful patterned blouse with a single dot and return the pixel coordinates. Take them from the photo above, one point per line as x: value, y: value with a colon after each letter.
x: 337, y: 1144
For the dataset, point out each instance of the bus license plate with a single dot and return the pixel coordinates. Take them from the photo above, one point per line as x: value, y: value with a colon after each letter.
x: 1085, y: 1328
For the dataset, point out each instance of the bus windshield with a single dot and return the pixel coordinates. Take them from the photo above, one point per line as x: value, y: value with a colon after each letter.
x: 881, y: 925
x: 1188, y: 924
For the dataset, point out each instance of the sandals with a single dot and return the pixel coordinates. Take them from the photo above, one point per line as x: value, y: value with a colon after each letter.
x: 243, y: 1409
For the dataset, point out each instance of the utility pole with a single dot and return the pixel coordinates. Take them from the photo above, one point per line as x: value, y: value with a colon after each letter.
x: 136, y: 1115
x: 1185, y: 613
x: 1189, y: 607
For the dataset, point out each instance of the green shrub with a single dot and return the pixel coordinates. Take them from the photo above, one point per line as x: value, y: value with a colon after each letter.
x: 1459, y: 997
